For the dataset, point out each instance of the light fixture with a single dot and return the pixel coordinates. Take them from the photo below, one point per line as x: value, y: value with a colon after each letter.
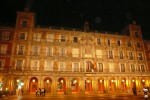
x: 133, y: 80
x: 112, y: 80
x: 100, y: 81
x: 61, y: 81
x: 88, y: 81
x: 21, y: 84
x: 33, y: 80
x: 47, y: 81
x: 123, y: 80
x: 75, y: 81
x: 17, y: 80
x: 143, y: 80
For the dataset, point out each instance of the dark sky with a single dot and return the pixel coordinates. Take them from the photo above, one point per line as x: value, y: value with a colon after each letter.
x: 102, y: 15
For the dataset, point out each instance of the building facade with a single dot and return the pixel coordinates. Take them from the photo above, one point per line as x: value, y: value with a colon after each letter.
x: 73, y: 61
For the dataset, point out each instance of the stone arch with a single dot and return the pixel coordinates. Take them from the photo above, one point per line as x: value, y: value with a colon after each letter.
x: 47, y: 84
x: 88, y: 85
x: 101, y: 84
x: 61, y: 84
x: 75, y: 84
x: 112, y: 84
x: 33, y: 84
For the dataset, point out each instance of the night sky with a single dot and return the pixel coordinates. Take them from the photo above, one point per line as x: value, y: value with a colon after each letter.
x: 102, y: 15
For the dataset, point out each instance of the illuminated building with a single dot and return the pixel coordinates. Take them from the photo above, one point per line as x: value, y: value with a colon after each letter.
x: 72, y: 61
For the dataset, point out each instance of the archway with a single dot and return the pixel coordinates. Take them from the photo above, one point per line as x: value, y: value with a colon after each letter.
x: 18, y: 85
x: 61, y: 85
x: 101, y: 85
x: 134, y: 89
x: 143, y: 83
x: 112, y: 84
x: 88, y: 85
x: 75, y: 85
x: 123, y: 85
x: 33, y: 84
x: 47, y: 84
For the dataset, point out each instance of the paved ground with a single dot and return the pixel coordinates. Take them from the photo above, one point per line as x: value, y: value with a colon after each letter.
x: 76, y: 97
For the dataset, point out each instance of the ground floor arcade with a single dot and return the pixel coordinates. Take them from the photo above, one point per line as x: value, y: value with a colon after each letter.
x: 67, y: 83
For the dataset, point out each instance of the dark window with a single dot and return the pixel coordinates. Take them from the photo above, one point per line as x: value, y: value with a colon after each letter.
x: 24, y: 24
x: 118, y: 42
x: 75, y: 39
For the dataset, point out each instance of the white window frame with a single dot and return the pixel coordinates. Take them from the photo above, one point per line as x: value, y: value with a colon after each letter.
x: 50, y: 37
x: 62, y: 66
x: 49, y: 51
x: 3, y: 48
x: 35, y: 65
x: 75, y: 52
x: 73, y: 67
x: 48, y: 65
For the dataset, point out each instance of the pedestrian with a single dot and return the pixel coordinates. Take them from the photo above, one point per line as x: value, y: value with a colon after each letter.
x: 145, y: 90
x: 36, y: 92
x: 44, y: 91
x: 134, y: 91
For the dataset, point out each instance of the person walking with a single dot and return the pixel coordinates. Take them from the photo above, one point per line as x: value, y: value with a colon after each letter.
x: 36, y: 92
x: 145, y: 90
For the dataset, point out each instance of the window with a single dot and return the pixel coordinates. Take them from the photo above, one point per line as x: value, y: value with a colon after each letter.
x: 62, y: 66
x: 49, y: 51
x: 50, y: 37
x: 136, y: 34
x: 75, y: 39
x: 99, y: 53
x: 98, y: 41
x: 100, y: 67
x: 142, y: 68
x: 110, y: 54
x: 48, y: 66
x: 132, y: 68
x: 36, y: 50
x: 118, y: 42
x: 108, y: 42
x: 121, y: 55
x: 3, y: 48
x: 122, y: 67
x: 129, y: 44
x: 62, y: 38
x: 34, y: 65
x: 75, y: 52
x: 76, y: 67
x: 22, y: 36
x: 89, y: 66
x: 24, y: 24
x: 138, y: 45
x: 36, y: 36
x: 2, y: 63
x: 5, y: 36
x: 20, y: 50
x: 140, y: 56
x: 19, y: 65
x: 130, y: 55
x: 62, y: 51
